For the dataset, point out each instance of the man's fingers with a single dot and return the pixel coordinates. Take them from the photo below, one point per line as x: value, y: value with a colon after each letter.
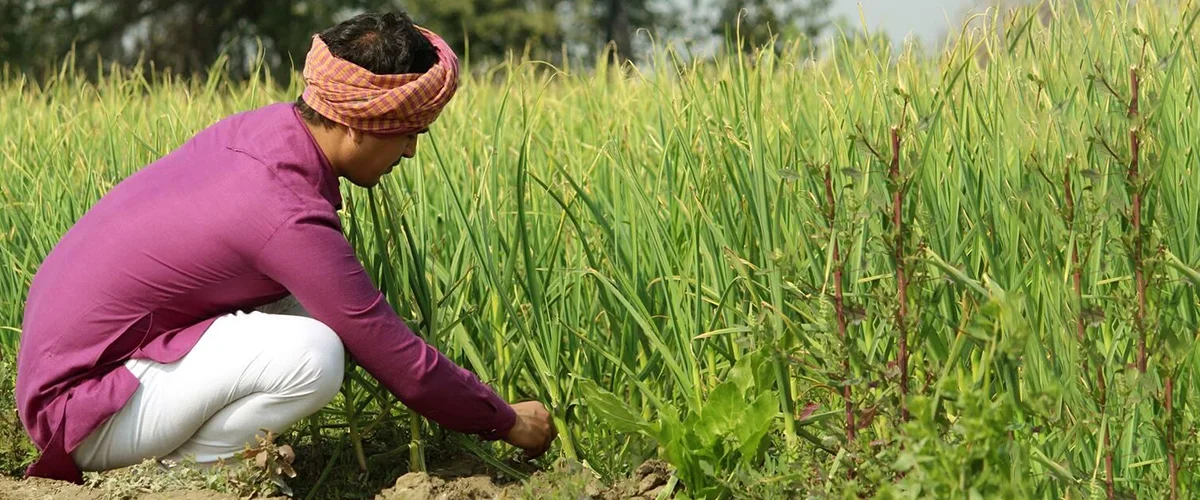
x: 536, y: 453
x: 540, y: 431
x: 542, y: 448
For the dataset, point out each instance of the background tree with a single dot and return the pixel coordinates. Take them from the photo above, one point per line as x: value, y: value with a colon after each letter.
x: 762, y: 19
x: 492, y: 27
x: 188, y: 36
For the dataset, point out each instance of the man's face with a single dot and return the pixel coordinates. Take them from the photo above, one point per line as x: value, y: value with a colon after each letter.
x: 371, y: 156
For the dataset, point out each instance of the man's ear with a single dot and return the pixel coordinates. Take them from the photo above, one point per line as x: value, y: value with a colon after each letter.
x: 355, y: 135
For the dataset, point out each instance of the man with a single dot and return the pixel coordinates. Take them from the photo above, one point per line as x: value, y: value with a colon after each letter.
x: 148, y: 330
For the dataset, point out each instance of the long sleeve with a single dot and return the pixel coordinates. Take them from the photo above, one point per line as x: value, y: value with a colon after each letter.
x: 310, y: 257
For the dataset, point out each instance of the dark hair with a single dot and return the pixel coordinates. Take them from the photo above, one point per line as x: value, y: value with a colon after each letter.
x: 384, y: 44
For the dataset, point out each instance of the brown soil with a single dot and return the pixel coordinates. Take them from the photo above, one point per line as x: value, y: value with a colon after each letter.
x: 419, y: 485
x: 469, y: 481
x: 39, y: 489
x: 45, y: 489
x: 647, y: 481
x: 465, y: 479
x: 188, y: 495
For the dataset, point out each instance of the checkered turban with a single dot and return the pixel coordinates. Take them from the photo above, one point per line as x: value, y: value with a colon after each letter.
x: 388, y: 104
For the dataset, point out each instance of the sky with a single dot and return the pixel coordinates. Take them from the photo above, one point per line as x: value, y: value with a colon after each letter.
x: 930, y: 20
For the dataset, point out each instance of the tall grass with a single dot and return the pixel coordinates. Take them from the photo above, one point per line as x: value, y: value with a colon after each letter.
x: 969, y: 273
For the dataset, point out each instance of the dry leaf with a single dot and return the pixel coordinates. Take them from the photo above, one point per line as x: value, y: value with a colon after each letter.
x: 287, y: 453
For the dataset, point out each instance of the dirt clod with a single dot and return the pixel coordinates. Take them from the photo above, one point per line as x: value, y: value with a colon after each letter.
x: 592, y: 490
x: 652, y: 467
x: 651, y: 482
x: 419, y: 485
x: 413, y: 485
x: 464, y: 478
x: 651, y: 475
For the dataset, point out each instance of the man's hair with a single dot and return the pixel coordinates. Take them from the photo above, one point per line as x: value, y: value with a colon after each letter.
x: 384, y: 44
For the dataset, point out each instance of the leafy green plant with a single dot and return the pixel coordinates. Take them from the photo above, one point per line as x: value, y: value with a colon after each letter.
x: 727, y: 432
x: 16, y: 450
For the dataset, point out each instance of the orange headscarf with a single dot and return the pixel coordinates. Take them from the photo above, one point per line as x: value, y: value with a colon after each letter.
x: 388, y: 104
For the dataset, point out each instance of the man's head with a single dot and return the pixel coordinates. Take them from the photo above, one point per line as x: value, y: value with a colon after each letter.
x: 381, y: 44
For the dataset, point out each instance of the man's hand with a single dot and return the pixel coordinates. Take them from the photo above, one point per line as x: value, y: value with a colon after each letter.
x: 534, y: 430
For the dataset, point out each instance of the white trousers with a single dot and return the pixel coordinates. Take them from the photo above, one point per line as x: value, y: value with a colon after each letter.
x: 266, y: 369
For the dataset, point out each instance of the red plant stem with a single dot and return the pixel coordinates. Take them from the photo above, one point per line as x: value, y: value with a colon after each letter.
x: 1081, y: 327
x: 1076, y: 273
x: 1080, y: 324
x: 901, y: 279
x: 1133, y: 86
x: 842, y: 332
x: 1108, y: 457
x: 1172, y: 469
x: 838, y: 306
x: 1139, y: 276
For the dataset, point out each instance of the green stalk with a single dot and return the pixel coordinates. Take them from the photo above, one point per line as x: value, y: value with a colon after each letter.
x: 325, y: 471
x: 783, y: 381
x: 416, y: 450
x: 352, y: 420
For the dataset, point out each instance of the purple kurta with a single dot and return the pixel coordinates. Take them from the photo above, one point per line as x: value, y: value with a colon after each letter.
x: 239, y: 216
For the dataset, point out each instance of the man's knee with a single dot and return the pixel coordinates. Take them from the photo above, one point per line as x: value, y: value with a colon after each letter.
x: 320, y: 356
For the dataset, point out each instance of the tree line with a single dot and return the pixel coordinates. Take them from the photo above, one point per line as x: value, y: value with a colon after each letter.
x: 188, y: 36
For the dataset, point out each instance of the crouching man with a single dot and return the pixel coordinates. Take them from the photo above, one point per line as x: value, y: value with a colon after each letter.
x: 212, y: 293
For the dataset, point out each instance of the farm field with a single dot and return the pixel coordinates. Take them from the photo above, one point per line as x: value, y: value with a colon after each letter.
x: 876, y: 274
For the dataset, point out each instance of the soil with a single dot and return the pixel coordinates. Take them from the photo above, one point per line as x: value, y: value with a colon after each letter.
x: 39, y: 489
x: 188, y: 495
x: 463, y: 479
x: 45, y: 489
x: 420, y: 485
x: 472, y: 482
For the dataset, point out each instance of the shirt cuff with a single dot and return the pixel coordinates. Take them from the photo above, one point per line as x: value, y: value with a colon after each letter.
x: 505, y: 422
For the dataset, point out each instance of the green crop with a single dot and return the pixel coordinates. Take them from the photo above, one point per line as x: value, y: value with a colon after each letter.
x: 876, y: 273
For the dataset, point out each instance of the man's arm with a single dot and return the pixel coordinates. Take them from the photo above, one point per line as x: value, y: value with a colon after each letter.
x: 310, y: 257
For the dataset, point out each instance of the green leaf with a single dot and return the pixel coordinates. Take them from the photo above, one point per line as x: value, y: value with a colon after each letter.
x: 682, y: 451
x: 752, y: 371
x: 608, y: 407
x: 905, y: 462
x: 720, y: 415
x: 756, y: 422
